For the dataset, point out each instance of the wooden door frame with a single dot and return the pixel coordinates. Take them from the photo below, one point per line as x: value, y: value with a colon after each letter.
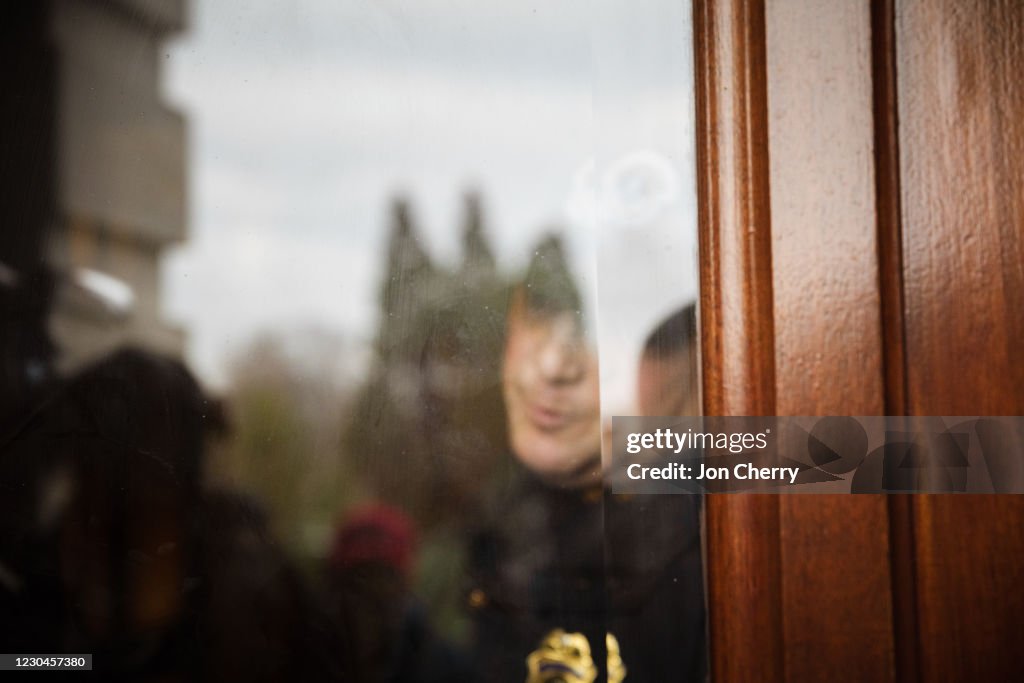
x: 736, y: 326
x: 799, y: 587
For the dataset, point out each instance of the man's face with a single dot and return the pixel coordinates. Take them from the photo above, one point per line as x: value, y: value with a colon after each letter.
x: 551, y: 393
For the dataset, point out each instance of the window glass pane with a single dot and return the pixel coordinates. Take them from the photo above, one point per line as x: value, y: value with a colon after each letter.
x: 315, y: 324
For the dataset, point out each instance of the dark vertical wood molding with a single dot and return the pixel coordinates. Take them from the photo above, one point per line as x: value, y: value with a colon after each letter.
x: 887, y: 197
x: 902, y: 562
x: 743, y: 558
x: 890, y: 268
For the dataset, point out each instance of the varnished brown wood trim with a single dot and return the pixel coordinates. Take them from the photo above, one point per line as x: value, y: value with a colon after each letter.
x: 890, y: 262
x: 733, y: 199
x: 904, y: 586
x: 743, y: 558
x: 887, y: 184
x: 961, y: 129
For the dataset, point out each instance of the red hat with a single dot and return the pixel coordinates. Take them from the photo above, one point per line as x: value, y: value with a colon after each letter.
x: 377, y: 534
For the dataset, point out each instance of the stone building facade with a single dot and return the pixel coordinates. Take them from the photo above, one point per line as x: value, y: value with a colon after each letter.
x: 104, y: 168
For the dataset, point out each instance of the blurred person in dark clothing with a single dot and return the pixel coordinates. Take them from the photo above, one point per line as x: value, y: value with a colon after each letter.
x: 368, y: 579
x: 668, y: 382
x: 568, y: 581
x: 260, y: 621
x: 110, y: 545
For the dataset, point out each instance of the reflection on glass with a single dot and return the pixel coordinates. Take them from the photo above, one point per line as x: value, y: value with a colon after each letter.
x: 550, y: 373
x: 314, y: 324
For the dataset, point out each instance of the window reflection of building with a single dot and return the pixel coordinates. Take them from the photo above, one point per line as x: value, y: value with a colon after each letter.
x: 119, y: 198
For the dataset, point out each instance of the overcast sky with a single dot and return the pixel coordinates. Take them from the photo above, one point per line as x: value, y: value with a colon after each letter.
x: 305, y: 118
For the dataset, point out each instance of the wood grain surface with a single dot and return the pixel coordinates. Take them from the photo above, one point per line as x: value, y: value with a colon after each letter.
x: 836, y: 582
x: 743, y: 571
x: 960, y: 67
x: 860, y: 197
